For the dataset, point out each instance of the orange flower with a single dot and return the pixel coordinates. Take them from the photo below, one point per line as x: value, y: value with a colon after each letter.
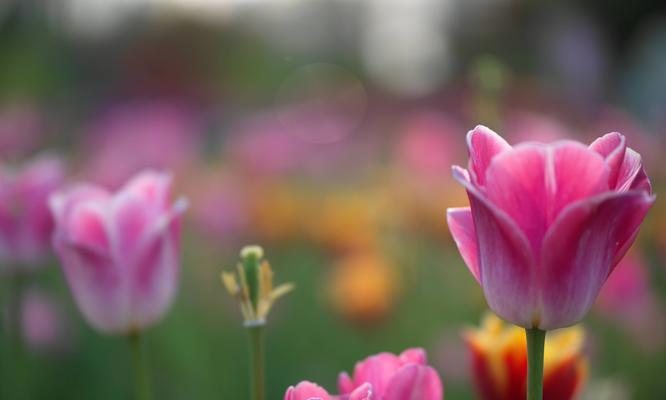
x: 346, y: 221
x: 499, y: 361
x: 363, y: 287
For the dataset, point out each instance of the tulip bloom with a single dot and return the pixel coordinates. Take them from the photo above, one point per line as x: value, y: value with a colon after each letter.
x: 384, y: 376
x: 311, y: 391
x: 26, y: 224
x: 499, y: 361
x: 402, y: 377
x: 547, y: 223
x: 120, y: 252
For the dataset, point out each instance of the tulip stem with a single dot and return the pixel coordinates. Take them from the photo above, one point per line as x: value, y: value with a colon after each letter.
x: 142, y: 389
x: 535, y: 343
x: 257, y: 356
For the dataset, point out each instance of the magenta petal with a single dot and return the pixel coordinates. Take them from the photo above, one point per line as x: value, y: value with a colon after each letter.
x: 152, y: 186
x: 582, y: 248
x: 461, y: 225
x: 611, y: 147
x: 97, y: 285
x: 62, y: 203
x: 155, y: 275
x: 345, y: 383
x: 306, y: 391
x: 131, y: 219
x: 87, y: 226
x: 363, y: 392
x: 641, y: 182
x: 376, y: 370
x: 532, y: 183
x: 414, y: 356
x: 632, y: 175
x: 414, y: 382
x: 506, y: 263
x: 483, y: 144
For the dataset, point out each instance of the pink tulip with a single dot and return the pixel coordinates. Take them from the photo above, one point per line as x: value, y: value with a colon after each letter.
x: 311, y: 391
x: 547, y: 223
x: 384, y: 376
x: 392, y: 377
x: 120, y: 251
x: 26, y: 224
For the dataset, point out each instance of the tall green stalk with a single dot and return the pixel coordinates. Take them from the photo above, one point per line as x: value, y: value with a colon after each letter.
x: 257, y: 356
x: 142, y: 386
x: 536, y: 339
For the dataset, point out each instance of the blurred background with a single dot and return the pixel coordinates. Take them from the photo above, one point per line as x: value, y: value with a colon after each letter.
x: 324, y: 130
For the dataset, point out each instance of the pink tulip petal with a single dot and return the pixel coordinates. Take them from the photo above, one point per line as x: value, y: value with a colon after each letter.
x: 461, y: 225
x: 641, y: 182
x: 345, y: 383
x: 131, y: 218
x: 376, y: 370
x: 155, y: 275
x: 532, y: 183
x: 87, y: 227
x: 612, y: 147
x: 506, y: 263
x: 581, y: 249
x: 632, y: 175
x: 483, y: 144
x: 154, y: 187
x: 306, y: 391
x: 415, y: 356
x: 62, y: 202
x: 98, y: 287
x: 363, y: 392
x: 414, y: 382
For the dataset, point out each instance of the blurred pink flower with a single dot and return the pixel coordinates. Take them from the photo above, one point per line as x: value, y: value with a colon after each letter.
x: 311, y: 391
x: 133, y: 137
x: 21, y: 127
x: 263, y: 145
x: 219, y: 207
x: 428, y: 146
x: 395, y: 377
x: 120, y: 252
x: 26, y: 224
x: 628, y: 299
x: 626, y: 291
x: 547, y: 223
x: 533, y: 127
x: 43, y: 324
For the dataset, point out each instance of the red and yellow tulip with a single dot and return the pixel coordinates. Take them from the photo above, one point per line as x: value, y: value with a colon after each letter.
x: 499, y: 361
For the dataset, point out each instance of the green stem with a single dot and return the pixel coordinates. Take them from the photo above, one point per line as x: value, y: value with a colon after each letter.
x: 257, y: 355
x: 535, y: 343
x: 142, y: 388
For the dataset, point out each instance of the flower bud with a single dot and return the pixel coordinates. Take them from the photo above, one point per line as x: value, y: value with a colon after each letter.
x: 254, y: 287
